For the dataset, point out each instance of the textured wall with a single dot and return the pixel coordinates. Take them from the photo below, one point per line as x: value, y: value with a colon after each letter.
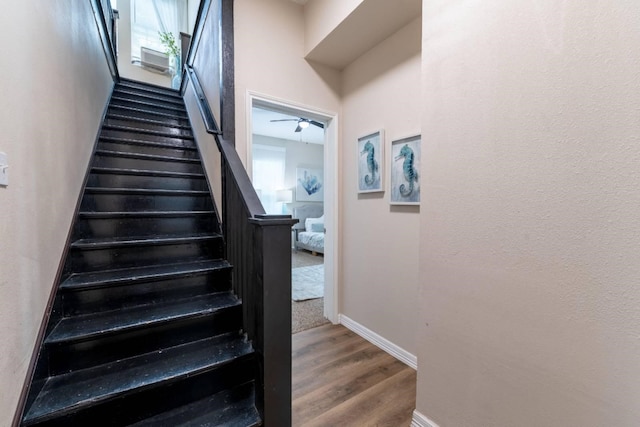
x: 380, y: 242
x: 529, y: 225
x: 54, y: 88
x: 321, y: 17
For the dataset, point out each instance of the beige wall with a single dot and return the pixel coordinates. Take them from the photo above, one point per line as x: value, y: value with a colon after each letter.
x: 380, y: 242
x: 269, y: 43
x: 321, y: 17
x: 54, y: 89
x: 529, y: 223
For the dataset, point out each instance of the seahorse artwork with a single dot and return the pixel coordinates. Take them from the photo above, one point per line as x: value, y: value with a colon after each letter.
x: 409, y: 171
x: 372, y: 164
x: 310, y: 183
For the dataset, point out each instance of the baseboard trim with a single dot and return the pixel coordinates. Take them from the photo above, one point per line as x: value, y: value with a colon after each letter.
x: 384, y: 344
x: 419, y: 420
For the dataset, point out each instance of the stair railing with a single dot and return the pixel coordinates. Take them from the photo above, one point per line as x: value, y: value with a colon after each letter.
x: 258, y: 245
x: 106, y: 21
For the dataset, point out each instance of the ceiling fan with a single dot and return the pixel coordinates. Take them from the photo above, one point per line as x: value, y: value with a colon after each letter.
x: 302, y: 123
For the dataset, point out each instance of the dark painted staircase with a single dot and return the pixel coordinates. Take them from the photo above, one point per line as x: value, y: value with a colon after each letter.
x: 145, y: 329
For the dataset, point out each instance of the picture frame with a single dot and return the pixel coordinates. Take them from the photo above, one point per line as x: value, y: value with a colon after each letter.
x: 370, y: 162
x: 405, y: 171
x: 309, y: 184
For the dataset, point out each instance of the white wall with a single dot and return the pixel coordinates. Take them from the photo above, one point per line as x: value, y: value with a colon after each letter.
x: 298, y: 154
x: 192, y: 14
x: 269, y: 50
x: 54, y: 90
x: 529, y: 224
x: 380, y: 242
x: 125, y: 67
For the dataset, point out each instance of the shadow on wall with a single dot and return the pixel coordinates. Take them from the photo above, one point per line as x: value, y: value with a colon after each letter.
x: 331, y: 76
x: 396, y: 51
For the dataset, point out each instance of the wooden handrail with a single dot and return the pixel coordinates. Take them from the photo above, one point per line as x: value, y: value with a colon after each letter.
x: 108, y: 37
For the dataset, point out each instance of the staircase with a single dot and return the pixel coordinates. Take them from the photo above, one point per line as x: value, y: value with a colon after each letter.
x: 145, y: 329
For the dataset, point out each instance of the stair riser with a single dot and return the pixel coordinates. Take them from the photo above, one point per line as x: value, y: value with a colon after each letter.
x: 131, y: 256
x: 141, y: 113
x: 151, y: 276
x: 152, y: 401
x: 108, y: 161
x: 126, y: 344
x: 179, y: 142
x: 134, y: 202
x: 150, y: 182
x: 178, y: 151
x: 149, y: 106
x: 122, y: 227
x: 110, y: 121
x: 150, y: 97
x: 147, y: 90
x: 115, y: 296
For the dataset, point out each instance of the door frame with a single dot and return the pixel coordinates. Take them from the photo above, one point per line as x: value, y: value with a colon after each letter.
x: 331, y: 189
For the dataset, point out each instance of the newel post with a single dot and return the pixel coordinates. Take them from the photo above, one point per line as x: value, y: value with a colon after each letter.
x: 273, y: 326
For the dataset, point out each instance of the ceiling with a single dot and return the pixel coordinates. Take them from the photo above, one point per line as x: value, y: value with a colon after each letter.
x: 262, y: 125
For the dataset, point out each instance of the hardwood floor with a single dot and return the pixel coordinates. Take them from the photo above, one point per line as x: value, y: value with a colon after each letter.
x: 340, y: 379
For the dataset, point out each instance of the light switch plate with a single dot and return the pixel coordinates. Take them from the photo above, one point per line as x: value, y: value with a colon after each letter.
x: 4, y: 170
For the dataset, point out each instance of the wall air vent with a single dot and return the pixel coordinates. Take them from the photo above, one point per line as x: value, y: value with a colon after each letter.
x: 154, y: 60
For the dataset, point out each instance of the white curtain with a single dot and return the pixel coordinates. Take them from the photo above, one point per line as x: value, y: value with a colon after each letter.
x: 268, y: 175
x: 171, y: 15
x: 149, y: 17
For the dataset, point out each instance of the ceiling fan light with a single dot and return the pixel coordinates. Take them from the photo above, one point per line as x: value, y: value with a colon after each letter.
x: 303, y: 124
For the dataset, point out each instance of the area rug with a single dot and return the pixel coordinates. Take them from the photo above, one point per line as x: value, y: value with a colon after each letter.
x: 307, y: 282
x: 307, y: 314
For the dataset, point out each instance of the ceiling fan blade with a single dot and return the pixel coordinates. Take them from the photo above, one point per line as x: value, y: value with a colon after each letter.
x: 285, y: 120
x: 320, y: 125
x: 298, y: 129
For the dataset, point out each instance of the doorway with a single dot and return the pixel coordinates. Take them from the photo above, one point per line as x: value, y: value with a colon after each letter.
x: 296, y: 196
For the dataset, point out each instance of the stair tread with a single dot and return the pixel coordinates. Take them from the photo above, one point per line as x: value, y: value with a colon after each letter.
x: 144, y: 191
x: 231, y: 408
x: 181, y: 109
x: 108, y: 242
x: 121, y: 140
x: 114, y: 116
x: 146, y: 131
x: 141, y: 156
x: 128, y: 91
x: 140, y: 274
x: 142, y: 214
x: 69, y: 392
x: 146, y: 172
x: 147, y: 86
x: 83, y: 327
x: 155, y: 113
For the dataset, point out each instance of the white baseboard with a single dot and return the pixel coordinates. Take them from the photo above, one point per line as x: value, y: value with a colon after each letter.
x: 419, y: 420
x: 384, y: 344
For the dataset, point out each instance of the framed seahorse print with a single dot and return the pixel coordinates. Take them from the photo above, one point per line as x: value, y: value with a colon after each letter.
x: 405, y: 171
x: 371, y: 162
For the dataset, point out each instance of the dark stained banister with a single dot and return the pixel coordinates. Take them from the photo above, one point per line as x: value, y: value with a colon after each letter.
x: 257, y: 245
x: 106, y: 22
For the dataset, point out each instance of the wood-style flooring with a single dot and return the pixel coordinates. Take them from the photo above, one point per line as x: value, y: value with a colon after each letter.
x: 340, y: 379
